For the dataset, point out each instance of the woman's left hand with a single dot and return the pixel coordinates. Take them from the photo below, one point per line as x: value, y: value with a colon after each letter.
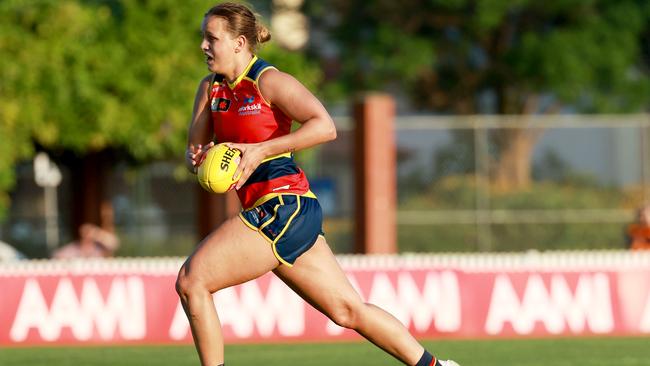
x: 251, y: 157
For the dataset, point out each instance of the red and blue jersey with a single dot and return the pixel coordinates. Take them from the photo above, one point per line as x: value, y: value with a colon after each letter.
x: 240, y: 114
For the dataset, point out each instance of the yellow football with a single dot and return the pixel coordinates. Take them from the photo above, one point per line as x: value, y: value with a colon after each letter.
x: 217, y: 172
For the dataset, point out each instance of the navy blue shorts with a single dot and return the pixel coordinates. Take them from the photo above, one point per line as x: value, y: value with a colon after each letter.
x: 291, y: 223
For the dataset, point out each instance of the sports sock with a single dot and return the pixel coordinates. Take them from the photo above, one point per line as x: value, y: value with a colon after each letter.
x: 427, y: 359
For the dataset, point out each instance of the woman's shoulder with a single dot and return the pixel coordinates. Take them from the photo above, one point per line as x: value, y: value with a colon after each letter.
x: 274, y: 77
x: 275, y: 81
x: 259, y: 67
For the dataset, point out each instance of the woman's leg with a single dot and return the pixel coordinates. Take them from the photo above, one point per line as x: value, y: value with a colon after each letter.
x: 231, y: 255
x: 317, y: 277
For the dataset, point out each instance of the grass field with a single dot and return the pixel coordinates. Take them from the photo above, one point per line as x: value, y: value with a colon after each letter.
x: 520, y: 352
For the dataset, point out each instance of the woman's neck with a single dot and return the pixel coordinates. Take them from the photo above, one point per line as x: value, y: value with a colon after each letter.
x: 241, y: 63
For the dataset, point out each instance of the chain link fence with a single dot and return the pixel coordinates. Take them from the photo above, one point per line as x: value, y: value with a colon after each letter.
x: 580, y: 179
x: 585, y: 176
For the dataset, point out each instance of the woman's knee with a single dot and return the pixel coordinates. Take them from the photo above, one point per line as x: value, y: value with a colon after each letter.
x: 182, y: 284
x: 347, y: 314
x: 187, y: 284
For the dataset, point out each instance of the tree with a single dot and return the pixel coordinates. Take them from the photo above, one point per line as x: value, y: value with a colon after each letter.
x: 97, y: 80
x: 530, y: 56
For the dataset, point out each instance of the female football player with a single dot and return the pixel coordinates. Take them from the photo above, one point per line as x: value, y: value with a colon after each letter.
x: 250, y: 104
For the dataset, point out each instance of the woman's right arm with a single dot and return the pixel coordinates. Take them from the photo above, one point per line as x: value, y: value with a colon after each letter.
x: 199, y: 137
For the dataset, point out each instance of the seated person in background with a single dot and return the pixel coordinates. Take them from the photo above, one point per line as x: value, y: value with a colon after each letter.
x: 639, y: 232
x: 94, y: 242
x: 9, y: 253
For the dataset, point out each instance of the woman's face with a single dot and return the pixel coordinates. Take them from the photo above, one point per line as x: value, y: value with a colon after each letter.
x: 218, y: 44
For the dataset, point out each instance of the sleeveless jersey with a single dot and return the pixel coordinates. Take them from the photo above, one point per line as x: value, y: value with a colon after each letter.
x: 240, y: 114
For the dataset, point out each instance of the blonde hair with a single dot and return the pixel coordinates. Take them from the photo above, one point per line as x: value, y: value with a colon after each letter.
x: 242, y: 21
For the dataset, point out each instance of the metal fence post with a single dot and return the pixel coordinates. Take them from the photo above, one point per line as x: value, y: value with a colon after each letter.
x: 482, y: 175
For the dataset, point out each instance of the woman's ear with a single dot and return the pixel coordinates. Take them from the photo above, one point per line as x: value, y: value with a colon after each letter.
x: 240, y: 43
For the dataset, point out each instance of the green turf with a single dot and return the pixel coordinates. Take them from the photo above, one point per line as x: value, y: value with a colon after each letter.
x: 528, y: 352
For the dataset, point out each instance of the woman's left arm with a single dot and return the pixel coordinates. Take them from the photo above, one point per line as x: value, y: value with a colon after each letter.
x: 289, y: 95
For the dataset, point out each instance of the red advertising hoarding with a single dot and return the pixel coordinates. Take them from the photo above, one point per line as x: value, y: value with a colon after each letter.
x: 134, y: 301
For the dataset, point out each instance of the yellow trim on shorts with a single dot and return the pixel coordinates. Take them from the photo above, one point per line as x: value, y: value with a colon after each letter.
x: 288, y: 221
x: 248, y: 224
x: 269, y: 196
x: 286, y: 226
x: 275, y: 213
x: 259, y: 230
x: 256, y: 229
x: 241, y: 216
x: 283, y: 155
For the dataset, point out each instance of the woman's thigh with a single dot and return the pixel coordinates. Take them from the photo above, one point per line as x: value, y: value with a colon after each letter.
x: 318, y: 278
x: 230, y: 255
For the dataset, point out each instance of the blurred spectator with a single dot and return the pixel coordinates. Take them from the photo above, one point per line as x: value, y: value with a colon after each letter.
x: 9, y: 253
x: 94, y: 242
x: 639, y: 232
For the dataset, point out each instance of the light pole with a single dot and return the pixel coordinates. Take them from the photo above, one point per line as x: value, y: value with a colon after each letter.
x: 48, y: 176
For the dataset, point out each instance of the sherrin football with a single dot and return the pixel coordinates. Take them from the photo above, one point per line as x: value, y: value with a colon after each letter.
x: 217, y: 172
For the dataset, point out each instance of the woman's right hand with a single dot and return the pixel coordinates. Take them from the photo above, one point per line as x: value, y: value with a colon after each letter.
x: 194, y: 156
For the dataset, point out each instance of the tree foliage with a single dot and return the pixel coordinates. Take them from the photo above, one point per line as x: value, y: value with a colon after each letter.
x: 449, y: 53
x: 85, y: 76
x: 494, y: 56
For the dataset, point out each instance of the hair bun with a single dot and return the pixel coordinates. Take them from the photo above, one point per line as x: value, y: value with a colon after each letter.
x: 263, y: 34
